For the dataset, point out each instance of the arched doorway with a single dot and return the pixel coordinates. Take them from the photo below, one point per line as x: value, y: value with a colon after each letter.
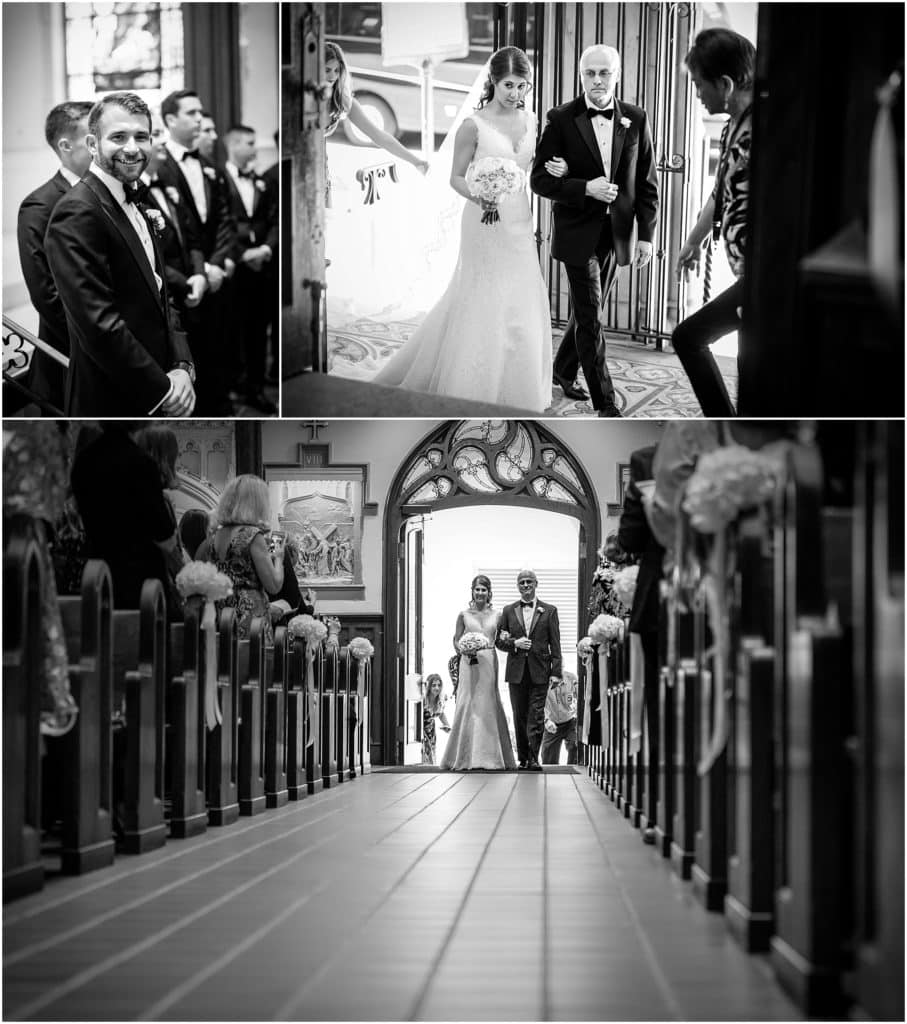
x: 517, y: 463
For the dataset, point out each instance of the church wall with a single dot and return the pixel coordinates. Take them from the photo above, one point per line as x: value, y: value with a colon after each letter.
x: 383, y: 444
x: 258, y: 64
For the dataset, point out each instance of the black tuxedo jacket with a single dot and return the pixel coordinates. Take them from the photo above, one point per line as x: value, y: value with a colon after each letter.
x: 261, y: 228
x: 217, y: 234
x: 46, y: 377
x: 544, y: 658
x: 180, y: 246
x: 568, y: 133
x: 124, y: 335
x: 635, y: 535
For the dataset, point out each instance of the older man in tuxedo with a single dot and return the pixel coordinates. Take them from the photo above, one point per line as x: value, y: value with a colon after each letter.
x: 65, y: 129
x: 203, y: 191
x: 609, y: 192
x: 128, y: 356
x: 254, y: 208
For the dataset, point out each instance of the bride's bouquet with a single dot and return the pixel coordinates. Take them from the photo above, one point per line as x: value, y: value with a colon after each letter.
x: 492, y: 178
x: 471, y: 643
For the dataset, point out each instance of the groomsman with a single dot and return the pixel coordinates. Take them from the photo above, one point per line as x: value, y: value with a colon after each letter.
x: 128, y: 356
x: 207, y: 138
x: 64, y: 129
x: 254, y: 207
x: 203, y: 190
x: 272, y: 178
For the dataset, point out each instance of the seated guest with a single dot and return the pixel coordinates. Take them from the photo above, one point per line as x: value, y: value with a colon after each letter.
x: 65, y: 130
x: 240, y: 550
x: 128, y: 522
x: 290, y: 600
x: 193, y: 530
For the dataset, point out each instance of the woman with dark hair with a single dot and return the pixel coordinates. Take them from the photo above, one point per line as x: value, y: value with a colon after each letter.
x: 193, y: 530
x: 722, y: 65
x: 497, y: 291
x: 432, y: 707
x: 479, y: 737
x: 342, y: 104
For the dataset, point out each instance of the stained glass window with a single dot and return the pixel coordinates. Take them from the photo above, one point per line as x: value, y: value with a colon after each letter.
x: 137, y: 47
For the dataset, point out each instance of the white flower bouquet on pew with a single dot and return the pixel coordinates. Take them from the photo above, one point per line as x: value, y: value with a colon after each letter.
x: 360, y: 648
x: 471, y: 643
x: 606, y: 629
x: 726, y: 481
x: 308, y: 628
x: 624, y: 585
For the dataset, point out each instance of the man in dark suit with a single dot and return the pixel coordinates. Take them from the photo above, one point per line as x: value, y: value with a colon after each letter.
x: 65, y: 129
x: 272, y: 179
x: 530, y: 634
x: 203, y: 190
x: 635, y: 536
x: 254, y: 208
x: 129, y: 357
x: 610, y: 189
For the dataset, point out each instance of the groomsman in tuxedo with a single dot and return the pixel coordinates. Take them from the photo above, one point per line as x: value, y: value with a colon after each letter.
x: 65, y: 129
x: 609, y: 193
x: 181, y: 248
x: 634, y: 534
x: 128, y: 356
x: 272, y: 179
x: 207, y: 138
x: 254, y: 207
x: 203, y: 190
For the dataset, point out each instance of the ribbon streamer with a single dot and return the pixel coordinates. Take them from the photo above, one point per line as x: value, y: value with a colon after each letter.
x: 715, y: 680
x: 312, y: 701
x: 213, y: 716
x: 603, y: 684
x: 587, y: 695
x: 361, y: 665
x: 637, y: 681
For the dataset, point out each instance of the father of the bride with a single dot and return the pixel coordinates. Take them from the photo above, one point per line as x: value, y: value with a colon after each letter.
x: 530, y: 634
x: 610, y: 189
x: 128, y: 357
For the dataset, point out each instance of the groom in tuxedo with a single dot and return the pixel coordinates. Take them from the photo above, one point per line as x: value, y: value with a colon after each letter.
x: 530, y: 634
x: 128, y: 357
x: 610, y: 189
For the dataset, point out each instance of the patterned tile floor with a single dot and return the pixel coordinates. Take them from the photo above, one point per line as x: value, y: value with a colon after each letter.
x: 649, y: 383
x: 479, y: 896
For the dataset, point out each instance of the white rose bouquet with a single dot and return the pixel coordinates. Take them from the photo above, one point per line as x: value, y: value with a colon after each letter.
x: 491, y: 179
x: 724, y: 482
x: 624, y: 585
x: 308, y: 628
x: 360, y: 648
x: 606, y: 629
x: 471, y: 643
x: 203, y: 579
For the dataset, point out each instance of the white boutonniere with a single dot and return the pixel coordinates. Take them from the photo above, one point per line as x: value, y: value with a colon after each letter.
x: 625, y: 122
x: 260, y: 185
x: 156, y: 219
x: 172, y: 194
x: 210, y: 173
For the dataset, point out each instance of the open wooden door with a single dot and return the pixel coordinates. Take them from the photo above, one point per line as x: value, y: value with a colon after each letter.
x: 409, y: 642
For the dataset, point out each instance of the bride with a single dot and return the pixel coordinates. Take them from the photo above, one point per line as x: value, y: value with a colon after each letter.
x: 479, y: 737
x: 489, y: 336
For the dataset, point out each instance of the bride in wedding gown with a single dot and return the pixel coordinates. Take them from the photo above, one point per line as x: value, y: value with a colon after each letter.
x: 489, y: 336
x: 479, y: 737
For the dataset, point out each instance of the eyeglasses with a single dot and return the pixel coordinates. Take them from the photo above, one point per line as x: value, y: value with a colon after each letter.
x: 527, y: 583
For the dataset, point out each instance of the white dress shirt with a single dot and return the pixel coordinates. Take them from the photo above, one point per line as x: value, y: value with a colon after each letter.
x: 69, y: 175
x: 527, y: 615
x: 191, y: 170
x: 133, y: 215
x: 604, y: 132
x: 246, y: 187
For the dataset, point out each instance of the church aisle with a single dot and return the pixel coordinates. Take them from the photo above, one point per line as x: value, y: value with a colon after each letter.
x: 392, y: 897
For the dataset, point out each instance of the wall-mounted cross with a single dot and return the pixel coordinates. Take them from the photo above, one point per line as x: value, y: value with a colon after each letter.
x: 314, y: 426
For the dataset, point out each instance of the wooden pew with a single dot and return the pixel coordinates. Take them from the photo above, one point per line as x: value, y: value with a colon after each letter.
x: 222, y: 780
x: 87, y: 750
x: 876, y: 982
x: 297, y: 719
x: 140, y: 674
x: 23, y: 586
x: 327, y: 671
x: 354, y: 712
x: 251, y: 679
x: 276, y: 787
x: 186, y: 743
x: 314, y: 775
x: 341, y: 712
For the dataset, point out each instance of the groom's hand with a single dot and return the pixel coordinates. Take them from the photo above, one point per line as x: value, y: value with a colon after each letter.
x: 181, y: 400
x: 523, y: 643
x: 643, y: 254
x: 601, y: 189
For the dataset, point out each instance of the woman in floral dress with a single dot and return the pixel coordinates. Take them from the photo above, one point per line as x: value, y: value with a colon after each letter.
x: 432, y: 708
x: 240, y: 550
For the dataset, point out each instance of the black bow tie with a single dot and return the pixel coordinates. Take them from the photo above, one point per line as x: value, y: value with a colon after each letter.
x: 525, y: 604
x: 136, y: 195
x: 190, y: 153
x: 593, y: 112
x: 247, y: 174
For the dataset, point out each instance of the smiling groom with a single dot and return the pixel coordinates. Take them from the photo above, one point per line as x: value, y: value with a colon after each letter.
x: 609, y: 192
x: 530, y: 634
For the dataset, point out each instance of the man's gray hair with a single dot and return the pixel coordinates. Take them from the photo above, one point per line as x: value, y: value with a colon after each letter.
x: 610, y: 50
x: 526, y: 572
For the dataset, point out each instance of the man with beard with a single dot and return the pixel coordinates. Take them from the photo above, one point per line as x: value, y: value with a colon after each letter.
x: 128, y: 357
x: 65, y: 129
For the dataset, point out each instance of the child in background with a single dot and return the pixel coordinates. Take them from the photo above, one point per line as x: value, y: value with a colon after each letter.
x: 560, y: 721
x: 432, y: 707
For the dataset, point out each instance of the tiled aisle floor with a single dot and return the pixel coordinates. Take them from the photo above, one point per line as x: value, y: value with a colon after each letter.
x: 393, y: 897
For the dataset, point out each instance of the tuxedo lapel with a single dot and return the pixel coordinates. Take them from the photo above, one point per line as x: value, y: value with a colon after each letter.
x: 182, y: 186
x: 618, y: 135
x: 536, y: 615
x: 60, y: 183
x: 127, y: 232
x: 587, y: 132
x: 166, y: 208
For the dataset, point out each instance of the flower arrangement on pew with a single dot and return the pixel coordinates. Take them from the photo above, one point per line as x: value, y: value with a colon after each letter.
x: 332, y: 624
x: 606, y: 630
x: 203, y: 579
x: 725, y: 482
x: 313, y: 632
x: 612, y: 560
x: 361, y: 649
x: 471, y: 643
x: 624, y: 585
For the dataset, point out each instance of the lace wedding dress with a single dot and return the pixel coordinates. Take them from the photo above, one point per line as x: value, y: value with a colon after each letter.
x: 489, y: 336
x: 479, y: 737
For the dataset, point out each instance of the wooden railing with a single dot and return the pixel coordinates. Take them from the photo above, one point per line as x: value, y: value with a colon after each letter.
x: 159, y: 771
x: 781, y: 761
